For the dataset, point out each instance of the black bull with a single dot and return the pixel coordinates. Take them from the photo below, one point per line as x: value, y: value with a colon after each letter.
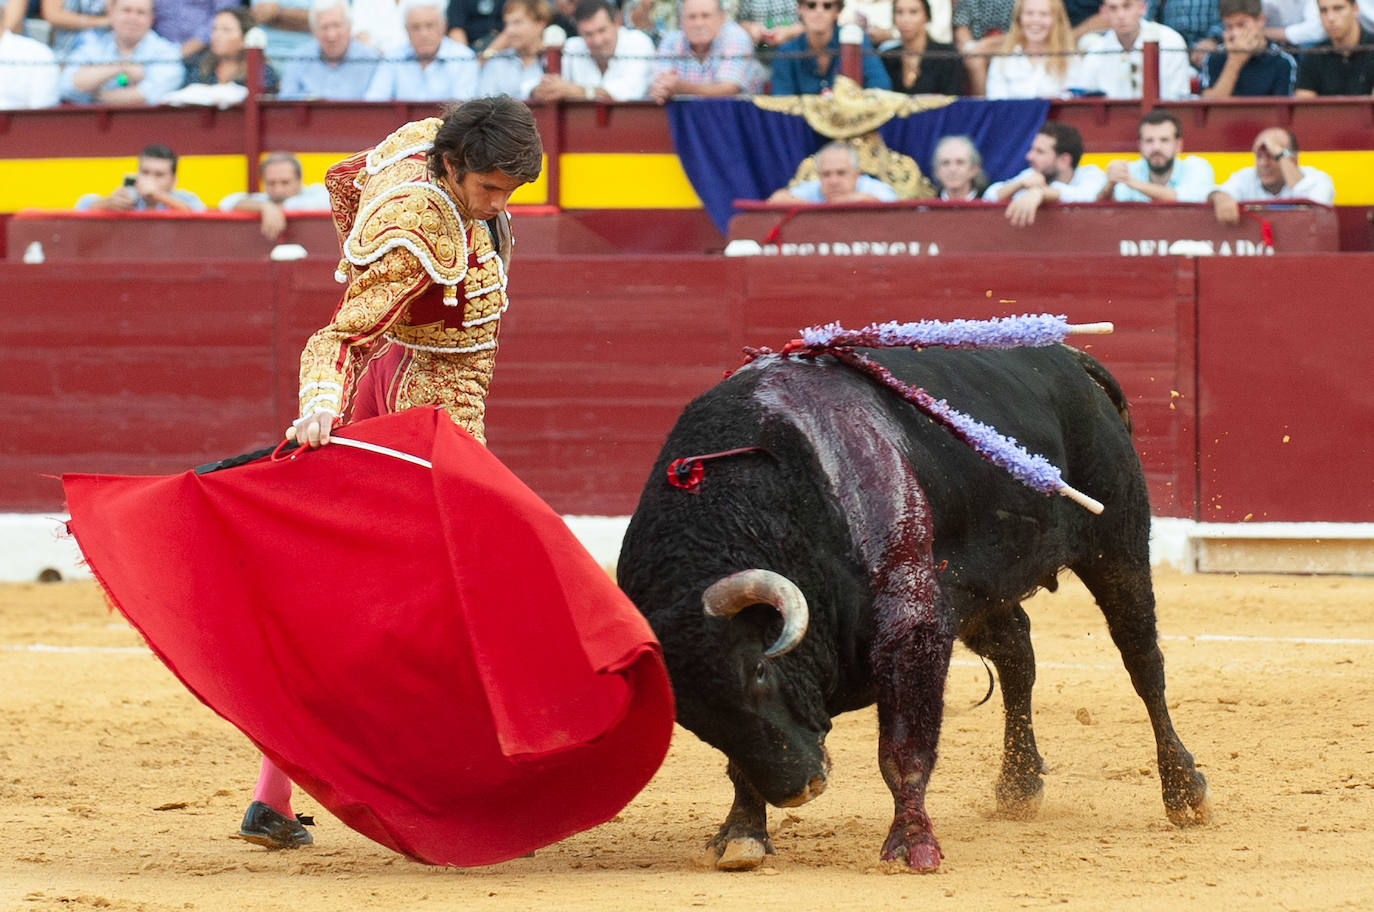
x: 890, y: 536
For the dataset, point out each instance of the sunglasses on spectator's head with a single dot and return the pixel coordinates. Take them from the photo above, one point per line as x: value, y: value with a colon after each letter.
x: 823, y: 4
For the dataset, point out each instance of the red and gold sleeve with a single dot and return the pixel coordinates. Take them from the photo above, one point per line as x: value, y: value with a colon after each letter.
x: 376, y: 298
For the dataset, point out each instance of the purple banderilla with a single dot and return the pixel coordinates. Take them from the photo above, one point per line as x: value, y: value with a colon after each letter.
x: 1031, y: 469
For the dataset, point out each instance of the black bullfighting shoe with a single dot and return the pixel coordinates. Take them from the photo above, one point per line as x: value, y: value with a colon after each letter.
x: 264, y: 826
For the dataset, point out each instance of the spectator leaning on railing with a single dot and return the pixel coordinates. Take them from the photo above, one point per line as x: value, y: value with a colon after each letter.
x: 1276, y: 175
x: 1248, y: 64
x: 434, y: 67
x: 709, y: 55
x: 604, y: 62
x: 283, y: 191
x: 519, y: 66
x: 153, y: 188
x: 28, y: 73
x: 1054, y: 175
x: 1038, y: 59
x: 838, y: 180
x: 807, y: 64
x: 335, y: 65
x: 127, y: 64
x: 1343, y: 64
x: 1113, y: 61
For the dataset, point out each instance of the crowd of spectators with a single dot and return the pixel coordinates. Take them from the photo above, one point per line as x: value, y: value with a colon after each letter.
x: 148, y: 51
x: 1055, y: 172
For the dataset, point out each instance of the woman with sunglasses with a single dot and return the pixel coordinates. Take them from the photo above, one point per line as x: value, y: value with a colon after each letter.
x: 1039, y: 57
x: 807, y: 64
x: 916, y: 63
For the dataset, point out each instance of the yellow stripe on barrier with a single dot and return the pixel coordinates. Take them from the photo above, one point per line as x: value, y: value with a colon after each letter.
x: 587, y: 181
x: 57, y: 183
x: 1351, y: 170
x: 624, y: 181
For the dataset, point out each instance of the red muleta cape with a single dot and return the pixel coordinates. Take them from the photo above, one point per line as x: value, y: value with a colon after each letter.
x: 430, y: 653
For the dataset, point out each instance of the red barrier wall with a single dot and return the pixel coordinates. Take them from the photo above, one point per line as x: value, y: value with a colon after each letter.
x: 1286, y: 390
x: 152, y: 367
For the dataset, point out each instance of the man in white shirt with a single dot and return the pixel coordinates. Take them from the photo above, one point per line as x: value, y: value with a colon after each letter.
x: 1160, y: 173
x: 1276, y: 175
x: 1054, y: 174
x: 28, y: 72
x: 283, y: 191
x: 605, y: 62
x: 1113, y: 61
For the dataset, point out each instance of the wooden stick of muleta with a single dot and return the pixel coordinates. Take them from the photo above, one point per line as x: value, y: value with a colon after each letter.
x: 1078, y: 497
x: 1090, y: 329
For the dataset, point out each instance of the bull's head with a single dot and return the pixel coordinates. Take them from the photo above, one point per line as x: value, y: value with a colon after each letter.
x: 780, y: 748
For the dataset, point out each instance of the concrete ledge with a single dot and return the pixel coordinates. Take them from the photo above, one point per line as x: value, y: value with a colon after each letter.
x: 1322, y: 548
x: 34, y: 546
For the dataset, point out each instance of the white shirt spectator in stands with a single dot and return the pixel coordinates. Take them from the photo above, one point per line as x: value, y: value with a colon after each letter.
x: 1087, y: 182
x: 451, y: 76
x: 312, y: 198
x: 28, y: 73
x: 1016, y: 75
x: 628, y: 73
x: 1111, y: 69
x: 1244, y: 186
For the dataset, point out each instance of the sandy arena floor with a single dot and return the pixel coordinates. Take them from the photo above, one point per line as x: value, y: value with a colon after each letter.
x: 118, y: 791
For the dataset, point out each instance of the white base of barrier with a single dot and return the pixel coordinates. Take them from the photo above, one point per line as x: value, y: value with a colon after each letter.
x: 33, y: 546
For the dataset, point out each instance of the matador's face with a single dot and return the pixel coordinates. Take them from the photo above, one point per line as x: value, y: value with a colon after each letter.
x: 482, y: 194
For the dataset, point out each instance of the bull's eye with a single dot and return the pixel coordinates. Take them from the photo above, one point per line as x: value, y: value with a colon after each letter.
x: 761, y: 673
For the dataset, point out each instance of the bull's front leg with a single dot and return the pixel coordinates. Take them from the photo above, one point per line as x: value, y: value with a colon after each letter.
x: 910, y: 662
x: 742, y: 840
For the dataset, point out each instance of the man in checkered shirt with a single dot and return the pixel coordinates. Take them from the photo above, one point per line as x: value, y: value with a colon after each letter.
x: 709, y: 55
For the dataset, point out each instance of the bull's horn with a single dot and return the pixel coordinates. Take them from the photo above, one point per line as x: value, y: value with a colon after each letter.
x: 728, y: 596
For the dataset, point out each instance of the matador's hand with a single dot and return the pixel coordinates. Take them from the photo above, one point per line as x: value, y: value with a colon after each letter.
x: 312, y: 430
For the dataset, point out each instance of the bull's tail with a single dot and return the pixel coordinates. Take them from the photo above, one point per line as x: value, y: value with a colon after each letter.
x: 1106, y: 381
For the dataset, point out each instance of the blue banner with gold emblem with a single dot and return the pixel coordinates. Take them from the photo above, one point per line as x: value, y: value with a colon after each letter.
x: 732, y: 149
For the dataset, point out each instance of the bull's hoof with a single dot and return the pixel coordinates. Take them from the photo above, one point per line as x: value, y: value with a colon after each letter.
x: 1015, y: 804
x: 741, y: 855
x: 919, y: 856
x: 1197, y: 813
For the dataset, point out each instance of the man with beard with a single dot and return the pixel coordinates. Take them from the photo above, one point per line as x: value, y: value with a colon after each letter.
x: 1276, y: 175
x: 1160, y: 174
x: 1054, y: 175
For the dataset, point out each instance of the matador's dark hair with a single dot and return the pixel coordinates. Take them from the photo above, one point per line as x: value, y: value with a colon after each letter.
x: 488, y: 134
